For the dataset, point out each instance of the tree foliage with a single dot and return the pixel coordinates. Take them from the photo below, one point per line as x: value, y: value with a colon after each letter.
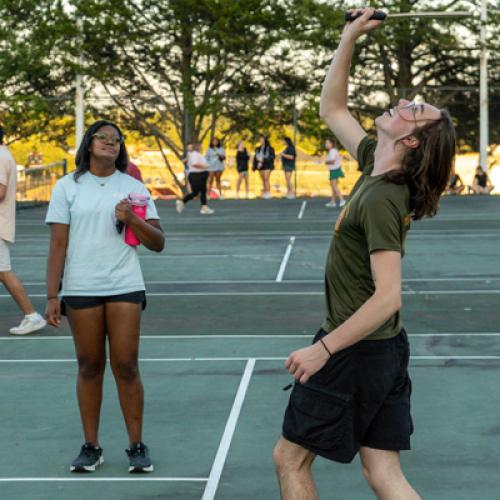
x: 35, y: 78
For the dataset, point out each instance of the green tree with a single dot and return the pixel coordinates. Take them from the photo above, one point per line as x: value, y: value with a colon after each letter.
x: 181, y: 69
x: 35, y: 78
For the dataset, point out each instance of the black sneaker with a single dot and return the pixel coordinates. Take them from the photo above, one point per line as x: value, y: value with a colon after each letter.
x: 138, y: 456
x: 89, y: 458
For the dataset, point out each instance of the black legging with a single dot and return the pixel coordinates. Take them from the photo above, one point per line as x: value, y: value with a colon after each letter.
x: 198, y: 182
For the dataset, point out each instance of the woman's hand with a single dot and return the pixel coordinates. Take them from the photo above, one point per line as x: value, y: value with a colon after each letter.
x: 304, y: 363
x: 361, y: 25
x: 53, y: 312
x: 123, y: 212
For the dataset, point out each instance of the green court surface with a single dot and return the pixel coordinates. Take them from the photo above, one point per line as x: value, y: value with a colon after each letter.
x: 230, y: 297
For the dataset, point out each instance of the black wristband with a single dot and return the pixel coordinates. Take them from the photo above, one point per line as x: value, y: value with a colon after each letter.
x: 324, y: 345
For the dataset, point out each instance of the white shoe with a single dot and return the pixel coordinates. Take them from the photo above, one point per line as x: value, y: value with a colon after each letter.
x: 179, y: 206
x: 206, y: 211
x: 221, y: 196
x: 341, y: 203
x: 29, y: 325
x: 331, y: 204
x: 266, y: 195
x: 290, y: 196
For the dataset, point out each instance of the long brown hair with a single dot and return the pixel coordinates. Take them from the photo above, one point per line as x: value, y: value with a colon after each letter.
x: 426, y: 169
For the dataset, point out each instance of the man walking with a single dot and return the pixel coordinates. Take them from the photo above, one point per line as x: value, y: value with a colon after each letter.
x: 8, y: 179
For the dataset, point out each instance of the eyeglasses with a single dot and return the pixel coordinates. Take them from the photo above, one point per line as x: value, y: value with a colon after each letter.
x: 115, y: 139
x: 408, y: 112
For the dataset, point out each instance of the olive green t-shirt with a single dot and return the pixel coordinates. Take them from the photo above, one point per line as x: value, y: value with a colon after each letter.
x: 376, y: 217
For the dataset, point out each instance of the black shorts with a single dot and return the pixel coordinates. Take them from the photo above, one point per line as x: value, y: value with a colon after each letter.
x: 361, y: 397
x: 84, y: 302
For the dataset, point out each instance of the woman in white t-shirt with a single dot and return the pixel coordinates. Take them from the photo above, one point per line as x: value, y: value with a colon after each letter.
x: 103, y: 292
x: 197, y: 177
x: 215, y: 156
x: 333, y: 164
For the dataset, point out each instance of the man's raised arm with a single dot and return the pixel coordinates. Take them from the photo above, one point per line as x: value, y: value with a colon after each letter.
x: 333, y: 103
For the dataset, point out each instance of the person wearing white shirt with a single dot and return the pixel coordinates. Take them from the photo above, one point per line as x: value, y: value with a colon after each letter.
x: 334, y: 166
x: 215, y: 157
x: 103, y: 292
x: 197, y: 177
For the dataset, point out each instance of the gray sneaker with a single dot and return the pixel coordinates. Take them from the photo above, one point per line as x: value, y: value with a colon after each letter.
x: 138, y: 456
x: 89, y: 458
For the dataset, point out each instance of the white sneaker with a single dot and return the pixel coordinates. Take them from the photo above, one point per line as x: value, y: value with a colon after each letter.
x: 290, y: 196
x: 266, y: 195
x: 29, y: 325
x: 179, y: 206
x: 341, y: 203
x: 330, y: 204
x: 206, y: 211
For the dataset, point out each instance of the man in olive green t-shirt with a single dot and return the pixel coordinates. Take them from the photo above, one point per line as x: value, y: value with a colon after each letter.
x: 352, y: 389
x: 376, y: 217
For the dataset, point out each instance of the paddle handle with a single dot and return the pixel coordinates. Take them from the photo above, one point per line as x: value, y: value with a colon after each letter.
x: 378, y: 15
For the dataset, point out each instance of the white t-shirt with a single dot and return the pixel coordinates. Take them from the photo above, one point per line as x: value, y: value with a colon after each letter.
x: 333, y: 155
x: 8, y: 177
x: 196, y: 158
x: 98, y: 261
x: 215, y: 164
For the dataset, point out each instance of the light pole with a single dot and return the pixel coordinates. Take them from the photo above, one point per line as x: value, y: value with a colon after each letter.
x: 483, y: 90
x: 79, y: 93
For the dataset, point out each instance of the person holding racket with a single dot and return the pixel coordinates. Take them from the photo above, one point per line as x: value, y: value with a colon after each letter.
x: 352, y: 388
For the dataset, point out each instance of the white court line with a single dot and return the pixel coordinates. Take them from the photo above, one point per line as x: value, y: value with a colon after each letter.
x: 296, y: 282
x: 302, y: 210
x: 227, y: 436
x: 171, y: 256
x: 305, y: 235
x: 284, y: 262
x: 264, y: 294
x: 243, y: 336
x: 106, y: 479
x: 237, y: 358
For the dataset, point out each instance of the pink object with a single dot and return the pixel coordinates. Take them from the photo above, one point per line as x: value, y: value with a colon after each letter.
x: 139, y: 205
x: 133, y: 171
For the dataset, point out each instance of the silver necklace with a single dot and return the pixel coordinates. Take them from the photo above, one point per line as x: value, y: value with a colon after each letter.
x: 101, y: 181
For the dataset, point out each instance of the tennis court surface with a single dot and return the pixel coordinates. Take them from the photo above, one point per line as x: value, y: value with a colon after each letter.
x: 230, y: 297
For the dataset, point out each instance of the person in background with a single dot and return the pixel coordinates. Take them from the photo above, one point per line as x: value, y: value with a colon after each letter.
x: 133, y: 171
x: 481, y: 183
x: 197, y: 177
x: 263, y: 162
x: 103, y: 292
x: 32, y: 320
x: 288, y: 157
x: 35, y: 159
x: 215, y: 157
x: 335, y: 168
x: 455, y: 185
x: 242, y: 159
